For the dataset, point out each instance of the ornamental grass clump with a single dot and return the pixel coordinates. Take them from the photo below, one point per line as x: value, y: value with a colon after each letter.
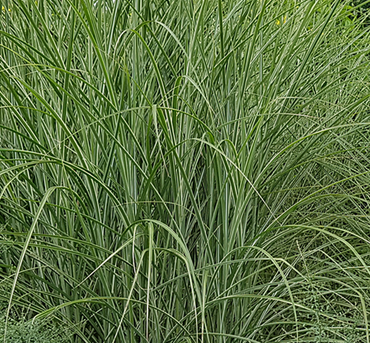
x: 186, y: 171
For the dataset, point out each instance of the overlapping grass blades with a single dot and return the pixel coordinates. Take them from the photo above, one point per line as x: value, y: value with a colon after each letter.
x: 177, y: 171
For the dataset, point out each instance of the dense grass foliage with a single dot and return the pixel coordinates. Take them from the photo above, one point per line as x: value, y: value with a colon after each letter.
x: 185, y: 171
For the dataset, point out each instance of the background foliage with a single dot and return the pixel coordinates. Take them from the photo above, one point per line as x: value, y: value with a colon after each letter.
x: 186, y: 171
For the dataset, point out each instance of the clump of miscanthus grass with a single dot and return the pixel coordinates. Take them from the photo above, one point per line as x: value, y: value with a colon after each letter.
x: 186, y: 171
